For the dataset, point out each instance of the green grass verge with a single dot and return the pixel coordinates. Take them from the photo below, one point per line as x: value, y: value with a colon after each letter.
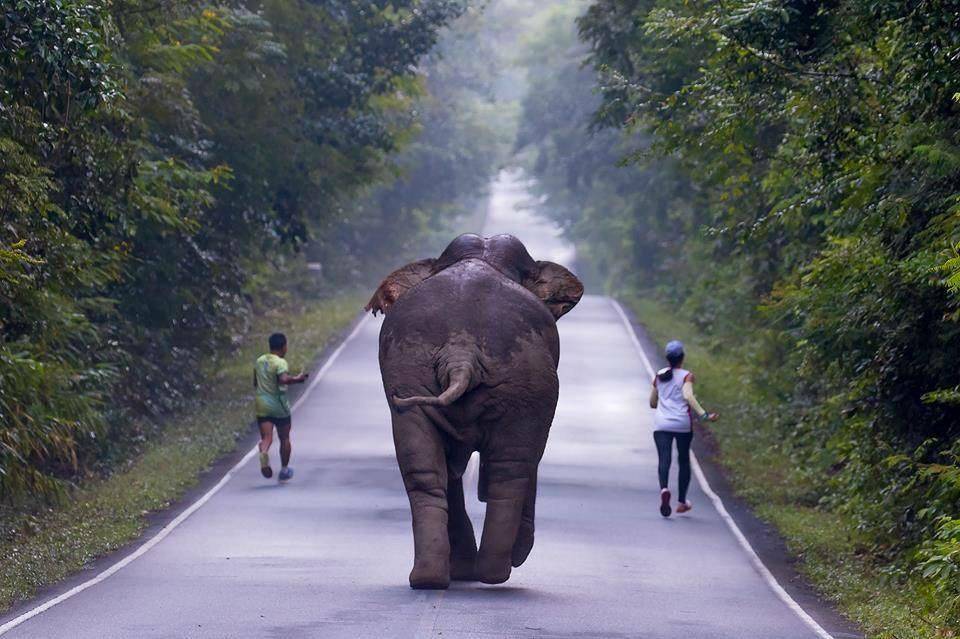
x: 827, y: 545
x: 103, y: 515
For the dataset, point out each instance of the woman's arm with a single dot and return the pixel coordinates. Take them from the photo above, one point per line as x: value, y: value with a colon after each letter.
x: 654, y: 396
x: 688, y: 395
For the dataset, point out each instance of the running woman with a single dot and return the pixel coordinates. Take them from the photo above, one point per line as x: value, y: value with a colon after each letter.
x: 672, y: 397
x: 270, y: 379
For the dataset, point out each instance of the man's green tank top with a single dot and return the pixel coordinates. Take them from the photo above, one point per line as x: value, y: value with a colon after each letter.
x: 271, y: 394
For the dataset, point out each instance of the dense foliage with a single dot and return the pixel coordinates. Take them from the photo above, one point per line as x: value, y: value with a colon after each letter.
x: 791, y: 182
x: 160, y: 165
x: 458, y: 136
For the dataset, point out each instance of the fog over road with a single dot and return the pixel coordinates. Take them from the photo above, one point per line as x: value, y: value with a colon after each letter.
x: 328, y: 554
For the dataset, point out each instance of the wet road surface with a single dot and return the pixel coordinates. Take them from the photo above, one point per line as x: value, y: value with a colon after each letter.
x: 327, y: 555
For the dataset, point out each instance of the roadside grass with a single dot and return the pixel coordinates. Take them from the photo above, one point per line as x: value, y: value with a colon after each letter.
x: 105, y: 514
x: 831, y: 555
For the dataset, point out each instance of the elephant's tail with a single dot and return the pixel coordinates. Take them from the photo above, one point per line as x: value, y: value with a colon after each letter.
x: 459, y: 384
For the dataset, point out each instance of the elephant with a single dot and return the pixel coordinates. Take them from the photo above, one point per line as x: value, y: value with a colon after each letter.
x: 468, y: 354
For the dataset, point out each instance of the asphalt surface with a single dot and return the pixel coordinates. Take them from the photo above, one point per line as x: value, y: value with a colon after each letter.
x: 327, y: 555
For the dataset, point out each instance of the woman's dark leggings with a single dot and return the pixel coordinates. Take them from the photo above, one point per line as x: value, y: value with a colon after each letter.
x: 664, y: 441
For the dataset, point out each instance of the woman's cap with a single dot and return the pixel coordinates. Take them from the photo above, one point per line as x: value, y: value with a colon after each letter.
x: 674, y: 348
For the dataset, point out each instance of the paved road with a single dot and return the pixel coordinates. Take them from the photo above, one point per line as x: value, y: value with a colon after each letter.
x: 328, y: 554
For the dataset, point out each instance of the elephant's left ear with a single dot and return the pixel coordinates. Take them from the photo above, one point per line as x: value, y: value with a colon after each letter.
x: 559, y: 289
x: 399, y: 282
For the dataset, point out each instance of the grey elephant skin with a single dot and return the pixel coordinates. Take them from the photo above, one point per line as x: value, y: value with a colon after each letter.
x: 468, y: 353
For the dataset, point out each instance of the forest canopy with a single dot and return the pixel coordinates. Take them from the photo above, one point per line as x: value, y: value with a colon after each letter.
x: 163, y: 166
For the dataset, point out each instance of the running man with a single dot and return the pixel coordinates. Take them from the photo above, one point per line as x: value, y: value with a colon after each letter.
x: 270, y: 379
x: 672, y: 396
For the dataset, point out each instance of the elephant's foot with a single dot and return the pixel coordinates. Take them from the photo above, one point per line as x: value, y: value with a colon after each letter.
x: 430, y: 573
x: 523, y: 545
x: 493, y: 569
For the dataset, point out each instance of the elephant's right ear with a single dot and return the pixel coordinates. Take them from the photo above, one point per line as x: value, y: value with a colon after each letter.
x: 399, y: 282
x: 557, y: 287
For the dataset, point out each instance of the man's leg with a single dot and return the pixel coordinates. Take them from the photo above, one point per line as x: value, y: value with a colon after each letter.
x: 266, y: 438
x: 283, y: 432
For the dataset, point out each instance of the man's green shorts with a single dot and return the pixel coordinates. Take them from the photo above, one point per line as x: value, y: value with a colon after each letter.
x: 279, y: 422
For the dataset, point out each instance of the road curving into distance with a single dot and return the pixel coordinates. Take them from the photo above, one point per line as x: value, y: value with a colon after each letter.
x: 327, y: 555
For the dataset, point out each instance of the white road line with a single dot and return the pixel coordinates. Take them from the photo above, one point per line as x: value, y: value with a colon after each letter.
x: 194, y: 507
x: 427, y: 627
x: 721, y: 509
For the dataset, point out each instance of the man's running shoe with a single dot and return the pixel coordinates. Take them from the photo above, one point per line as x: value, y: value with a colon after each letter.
x: 286, y: 474
x: 665, y: 502
x: 265, y: 469
x: 684, y: 507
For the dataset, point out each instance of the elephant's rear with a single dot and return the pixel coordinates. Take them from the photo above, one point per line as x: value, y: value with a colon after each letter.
x: 471, y: 332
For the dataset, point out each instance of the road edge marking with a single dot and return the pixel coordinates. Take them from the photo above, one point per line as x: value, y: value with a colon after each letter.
x: 427, y: 625
x: 179, y: 519
x: 758, y: 564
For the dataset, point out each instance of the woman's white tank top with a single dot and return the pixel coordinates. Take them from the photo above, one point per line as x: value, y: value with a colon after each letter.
x: 673, y: 413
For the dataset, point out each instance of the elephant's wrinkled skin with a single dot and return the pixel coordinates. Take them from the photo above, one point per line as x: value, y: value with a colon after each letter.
x: 469, y: 352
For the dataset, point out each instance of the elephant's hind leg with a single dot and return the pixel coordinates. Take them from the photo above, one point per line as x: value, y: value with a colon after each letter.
x: 423, y: 465
x: 508, y: 481
x: 463, y: 542
x: 524, y: 543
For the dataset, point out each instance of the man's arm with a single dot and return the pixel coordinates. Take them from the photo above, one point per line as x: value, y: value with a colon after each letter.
x: 286, y: 380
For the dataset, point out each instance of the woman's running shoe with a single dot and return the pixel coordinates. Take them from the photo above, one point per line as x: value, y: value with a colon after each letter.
x: 665, y: 502
x: 286, y: 474
x: 684, y: 507
x: 265, y: 469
